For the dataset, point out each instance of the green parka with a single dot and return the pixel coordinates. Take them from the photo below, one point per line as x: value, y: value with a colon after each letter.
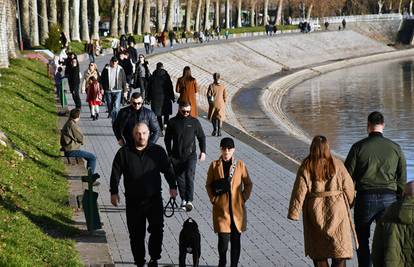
x: 393, y: 244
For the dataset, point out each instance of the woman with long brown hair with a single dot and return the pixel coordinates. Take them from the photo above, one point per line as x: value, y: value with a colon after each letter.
x: 187, y: 88
x: 325, y: 192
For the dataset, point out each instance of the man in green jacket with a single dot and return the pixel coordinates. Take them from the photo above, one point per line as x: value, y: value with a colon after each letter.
x: 393, y: 244
x: 71, y: 139
x: 378, y: 168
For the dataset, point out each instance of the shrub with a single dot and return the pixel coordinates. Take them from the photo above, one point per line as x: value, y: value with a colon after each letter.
x: 53, y: 42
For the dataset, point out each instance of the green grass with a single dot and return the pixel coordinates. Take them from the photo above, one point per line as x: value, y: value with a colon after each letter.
x: 77, y: 47
x: 260, y: 29
x: 35, y: 221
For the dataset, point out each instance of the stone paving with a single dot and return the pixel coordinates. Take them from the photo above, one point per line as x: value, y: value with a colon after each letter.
x: 270, y: 240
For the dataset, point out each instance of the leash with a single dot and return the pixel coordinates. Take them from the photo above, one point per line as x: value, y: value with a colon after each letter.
x: 170, y: 208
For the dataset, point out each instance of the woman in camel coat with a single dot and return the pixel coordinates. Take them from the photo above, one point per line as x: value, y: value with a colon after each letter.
x: 324, y: 191
x: 229, y: 214
x: 187, y: 88
x: 217, y: 97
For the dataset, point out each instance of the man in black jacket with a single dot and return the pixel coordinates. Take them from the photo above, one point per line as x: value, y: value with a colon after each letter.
x: 141, y: 164
x: 131, y: 115
x: 182, y: 130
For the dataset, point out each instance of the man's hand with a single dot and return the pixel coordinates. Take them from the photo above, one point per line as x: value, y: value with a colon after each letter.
x: 115, y: 200
x: 173, y: 193
x: 121, y: 142
x: 202, y: 156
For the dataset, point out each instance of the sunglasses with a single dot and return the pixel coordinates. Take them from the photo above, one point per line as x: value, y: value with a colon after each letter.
x: 185, y: 111
x: 136, y: 103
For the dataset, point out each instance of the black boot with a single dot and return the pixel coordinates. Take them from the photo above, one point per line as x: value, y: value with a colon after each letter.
x: 219, y: 128
x: 214, y: 122
x: 96, y: 116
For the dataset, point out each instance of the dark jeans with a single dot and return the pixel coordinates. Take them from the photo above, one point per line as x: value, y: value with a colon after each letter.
x: 223, y: 244
x: 88, y: 156
x: 185, y: 171
x: 142, y: 85
x: 161, y: 123
x: 137, y: 214
x: 75, y: 95
x: 368, y: 207
x: 147, y: 48
x: 92, y: 57
x: 113, y: 103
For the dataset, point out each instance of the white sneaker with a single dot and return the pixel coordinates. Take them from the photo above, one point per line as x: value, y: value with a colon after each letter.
x: 189, y: 206
x: 183, y: 205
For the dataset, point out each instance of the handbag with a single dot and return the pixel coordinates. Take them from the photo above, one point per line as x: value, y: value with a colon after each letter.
x: 222, y: 185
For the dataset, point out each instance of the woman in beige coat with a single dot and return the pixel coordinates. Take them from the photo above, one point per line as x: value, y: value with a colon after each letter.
x: 229, y: 215
x: 325, y: 192
x: 217, y: 97
x: 91, y: 71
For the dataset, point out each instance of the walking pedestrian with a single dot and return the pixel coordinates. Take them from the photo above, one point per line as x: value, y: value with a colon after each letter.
x: 133, y: 55
x: 161, y: 95
x: 71, y: 139
x: 153, y: 42
x: 59, y: 82
x: 324, y: 191
x: 343, y: 24
x: 187, y: 88
x: 171, y: 36
x: 129, y: 116
x: 94, y: 97
x: 147, y: 42
x: 113, y: 81
x: 142, y: 75
x: 73, y: 75
x: 229, y: 211
x: 91, y: 71
x: 216, y: 97
x: 91, y: 51
x: 182, y: 131
x: 393, y: 239
x: 126, y: 63
x: 141, y: 164
x: 378, y: 168
x: 115, y: 46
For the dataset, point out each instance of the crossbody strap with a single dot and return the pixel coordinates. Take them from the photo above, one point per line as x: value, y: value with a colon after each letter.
x: 233, y: 168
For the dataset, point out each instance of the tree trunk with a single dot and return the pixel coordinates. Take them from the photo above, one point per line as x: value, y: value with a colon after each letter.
x: 65, y: 18
x: 159, y: 16
x: 170, y: 16
x: 252, y: 13
x: 96, y: 18
x: 266, y: 12
x: 52, y: 12
x: 400, y: 7
x: 85, y: 26
x: 25, y: 15
x: 239, y: 14
x: 114, y: 19
x: 228, y: 14
x: 188, y: 16
x: 4, y: 55
x: 122, y: 16
x: 279, y: 13
x: 380, y: 4
x: 34, y: 24
x: 207, y: 15
x: 130, y: 29
x: 411, y: 7
x: 11, y: 28
x: 198, y: 15
x: 217, y: 14
x: 44, y: 27
x: 140, y: 8
x: 146, y: 27
x: 74, y: 21
x: 308, y: 16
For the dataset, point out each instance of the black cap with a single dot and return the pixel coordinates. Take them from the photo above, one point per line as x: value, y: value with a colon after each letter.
x: 114, y: 59
x: 227, y: 142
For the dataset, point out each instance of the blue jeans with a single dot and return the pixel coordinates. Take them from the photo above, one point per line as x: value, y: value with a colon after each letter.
x: 369, y: 207
x: 113, y: 103
x: 89, y: 157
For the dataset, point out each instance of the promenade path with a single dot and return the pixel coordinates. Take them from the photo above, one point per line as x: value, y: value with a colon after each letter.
x: 270, y: 240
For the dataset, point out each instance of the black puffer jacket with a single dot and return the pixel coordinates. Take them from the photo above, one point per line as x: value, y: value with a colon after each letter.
x: 160, y: 92
x: 128, y: 117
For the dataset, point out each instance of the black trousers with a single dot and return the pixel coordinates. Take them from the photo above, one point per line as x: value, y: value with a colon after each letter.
x: 74, y: 89
x: 137, y: 214
x: 223, y: 244
x: 161, y: 123
x: 185, y: 172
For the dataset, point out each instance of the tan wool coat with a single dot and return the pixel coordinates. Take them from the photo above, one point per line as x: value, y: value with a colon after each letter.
x: 188, y: 91
x: 217, y: 108
x: 241, y: 188
x: 327, y: 223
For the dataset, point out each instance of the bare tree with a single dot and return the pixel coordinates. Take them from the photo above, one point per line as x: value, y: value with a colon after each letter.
x: 266, y: 12
x: 170, y: 16
x: 411, y: 7
x: 159, y: 16
x: 380, y: 5
x: 121, y: 16
x: 4, y: 56
x: 239, y: 14
x: 25, y: 15
x: 74, y: 21
x: 217, y: 14
x: 114, y: 18
x: 65, y: 18
x: 308, y: 16
x: 198, y: 16
x: 400, y: 7
x: 207, y: 15
x: 34, y: 24
x: 85, y: 26
x: 130, y: 29
x: 96, y: 18
x: 279, y: 13
x: 44, y: 26
x: 227, y: 14
x: 11, y: 28
x: 52, y: 12
x: 140, y: 8
x: 188, y: 15
x: 146, y: 27
x: 252, y: 12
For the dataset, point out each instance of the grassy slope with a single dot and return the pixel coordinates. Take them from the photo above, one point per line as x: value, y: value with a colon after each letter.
x: 34, y: 218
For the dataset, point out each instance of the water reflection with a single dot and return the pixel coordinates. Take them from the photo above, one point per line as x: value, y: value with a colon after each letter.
x: 337, y: 104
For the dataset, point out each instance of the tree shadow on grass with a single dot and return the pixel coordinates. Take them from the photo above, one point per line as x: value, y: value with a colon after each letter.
x: 25, y: 98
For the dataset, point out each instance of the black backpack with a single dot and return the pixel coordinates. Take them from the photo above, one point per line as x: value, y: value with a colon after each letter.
x: 190, y: 242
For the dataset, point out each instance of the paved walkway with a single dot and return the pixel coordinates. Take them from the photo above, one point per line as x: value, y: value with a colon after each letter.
x: 270, y: 240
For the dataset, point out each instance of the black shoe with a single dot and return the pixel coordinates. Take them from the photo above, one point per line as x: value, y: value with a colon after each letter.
x: 214, y: 133
x: 93, y: 117
x: 153, y: 263
x: 109, y: 114
x: 96, y: 116
x: 218, y: 133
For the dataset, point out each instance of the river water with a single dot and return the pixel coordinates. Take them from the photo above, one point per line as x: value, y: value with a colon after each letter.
x: 337, y: 105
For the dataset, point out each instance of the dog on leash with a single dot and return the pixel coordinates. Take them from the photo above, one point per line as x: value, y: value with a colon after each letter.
x: 190, y: 242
